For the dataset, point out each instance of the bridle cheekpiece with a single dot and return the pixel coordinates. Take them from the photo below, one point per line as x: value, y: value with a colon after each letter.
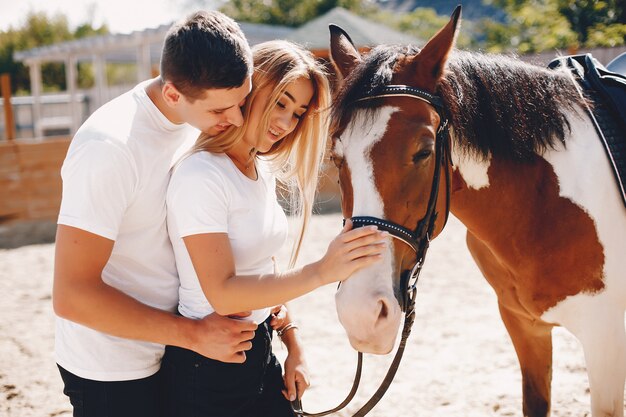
x: 419, y: 238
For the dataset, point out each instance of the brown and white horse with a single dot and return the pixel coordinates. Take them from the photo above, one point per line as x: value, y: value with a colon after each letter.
x: 528, y: 178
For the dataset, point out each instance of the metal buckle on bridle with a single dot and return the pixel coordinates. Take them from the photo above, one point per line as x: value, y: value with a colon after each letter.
x: 410, y: 285
x: 443, y: 126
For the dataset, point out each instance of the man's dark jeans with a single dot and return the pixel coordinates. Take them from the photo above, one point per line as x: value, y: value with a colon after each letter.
x: 136, y: 398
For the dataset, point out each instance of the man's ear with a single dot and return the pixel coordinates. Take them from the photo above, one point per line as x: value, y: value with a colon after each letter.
x: 171, y: 95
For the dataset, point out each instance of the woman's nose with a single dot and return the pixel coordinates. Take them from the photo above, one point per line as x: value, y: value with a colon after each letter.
x: 283, y: 121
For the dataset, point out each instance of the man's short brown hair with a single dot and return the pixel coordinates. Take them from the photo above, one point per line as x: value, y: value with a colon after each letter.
x: 206, y: 50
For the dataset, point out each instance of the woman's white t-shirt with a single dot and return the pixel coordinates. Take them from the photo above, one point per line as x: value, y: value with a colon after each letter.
x: 208, y: 194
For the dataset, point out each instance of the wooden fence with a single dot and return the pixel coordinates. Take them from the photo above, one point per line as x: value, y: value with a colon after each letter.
x: 30, y: 189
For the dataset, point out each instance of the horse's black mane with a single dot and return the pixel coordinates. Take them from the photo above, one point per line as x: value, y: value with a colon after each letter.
x: 496, y: 104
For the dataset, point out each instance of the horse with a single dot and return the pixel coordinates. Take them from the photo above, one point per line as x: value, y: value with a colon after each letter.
x: 522, y: 168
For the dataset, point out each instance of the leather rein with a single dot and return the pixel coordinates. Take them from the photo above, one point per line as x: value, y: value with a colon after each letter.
x: 418, y: 240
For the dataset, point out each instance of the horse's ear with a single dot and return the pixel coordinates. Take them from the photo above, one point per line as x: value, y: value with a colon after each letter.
x: 433, y: 57
x: 343, y: 53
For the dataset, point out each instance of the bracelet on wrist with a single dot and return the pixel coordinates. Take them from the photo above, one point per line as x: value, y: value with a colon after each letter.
x: 289, y: 326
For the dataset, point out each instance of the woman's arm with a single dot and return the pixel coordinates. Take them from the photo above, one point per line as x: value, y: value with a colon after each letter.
x: 213, y: 261
x: 296, y: 376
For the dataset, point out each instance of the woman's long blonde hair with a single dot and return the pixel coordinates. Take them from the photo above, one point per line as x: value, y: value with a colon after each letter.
x: 296, y: 159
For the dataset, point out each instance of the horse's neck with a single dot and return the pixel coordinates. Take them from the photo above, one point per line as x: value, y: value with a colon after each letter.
x: 498, y: 200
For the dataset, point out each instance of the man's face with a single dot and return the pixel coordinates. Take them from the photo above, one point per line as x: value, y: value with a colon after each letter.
x: 217, y: 110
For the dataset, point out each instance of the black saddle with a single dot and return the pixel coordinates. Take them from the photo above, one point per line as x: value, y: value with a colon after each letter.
x: 618, y: 64
x: 606, y: 87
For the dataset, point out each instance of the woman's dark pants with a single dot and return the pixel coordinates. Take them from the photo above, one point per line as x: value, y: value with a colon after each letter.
x: 201, y: 387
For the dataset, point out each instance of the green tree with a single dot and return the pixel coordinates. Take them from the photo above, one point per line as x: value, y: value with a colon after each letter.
x: 537, y: 25
x: 597, y: 22
x: 606, y: 35
x: 533, y: 26
x: 589, y: 16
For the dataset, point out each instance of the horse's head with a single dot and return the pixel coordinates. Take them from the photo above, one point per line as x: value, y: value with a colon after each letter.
x: 384, y: 146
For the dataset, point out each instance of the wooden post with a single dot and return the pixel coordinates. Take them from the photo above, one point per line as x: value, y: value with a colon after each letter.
x: 9, y: 122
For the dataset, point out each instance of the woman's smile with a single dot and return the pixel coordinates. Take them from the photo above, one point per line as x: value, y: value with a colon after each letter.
x: 274, y: 134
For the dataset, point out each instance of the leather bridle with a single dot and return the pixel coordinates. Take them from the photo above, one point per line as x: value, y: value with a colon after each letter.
x: 418, y: 240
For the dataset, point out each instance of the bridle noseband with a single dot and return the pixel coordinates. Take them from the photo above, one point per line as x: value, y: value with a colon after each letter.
x: 418, y: 240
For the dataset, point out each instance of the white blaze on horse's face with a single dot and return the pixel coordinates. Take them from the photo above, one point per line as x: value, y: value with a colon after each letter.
x: 366, y: 304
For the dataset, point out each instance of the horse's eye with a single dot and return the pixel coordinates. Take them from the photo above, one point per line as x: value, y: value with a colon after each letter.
x: 422, y: 155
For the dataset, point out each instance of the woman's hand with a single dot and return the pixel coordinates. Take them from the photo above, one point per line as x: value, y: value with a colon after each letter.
x: 350, y: 251
x: 296, y: 376
x: 279, y: 317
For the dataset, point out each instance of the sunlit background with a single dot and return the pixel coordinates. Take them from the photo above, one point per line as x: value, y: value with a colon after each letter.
x: 120, y: 16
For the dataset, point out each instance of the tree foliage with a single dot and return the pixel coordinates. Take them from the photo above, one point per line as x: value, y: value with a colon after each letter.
x: 537, y: 25
x: 532, y: 26
x: 38, y: 30
x: 596, y: 22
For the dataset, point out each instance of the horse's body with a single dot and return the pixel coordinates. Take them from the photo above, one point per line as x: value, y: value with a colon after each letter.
x: 553, y: 250
x: 531, y: 182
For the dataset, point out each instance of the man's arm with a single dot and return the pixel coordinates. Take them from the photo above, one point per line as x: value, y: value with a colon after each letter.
x: 80, y: 295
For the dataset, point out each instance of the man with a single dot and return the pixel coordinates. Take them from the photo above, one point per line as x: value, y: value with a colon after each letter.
x: 115, y: 281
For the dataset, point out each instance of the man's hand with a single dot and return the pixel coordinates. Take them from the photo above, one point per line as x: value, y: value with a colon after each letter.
x: 224, y: 339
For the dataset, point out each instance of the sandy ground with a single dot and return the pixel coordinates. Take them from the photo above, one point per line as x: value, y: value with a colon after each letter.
x: 459, y: 361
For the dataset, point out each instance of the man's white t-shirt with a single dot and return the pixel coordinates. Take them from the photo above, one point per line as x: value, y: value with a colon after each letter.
x: 115, y: 178
x: 208, y: 194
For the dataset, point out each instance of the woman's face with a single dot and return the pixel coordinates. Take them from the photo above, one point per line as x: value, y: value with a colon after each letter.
x: 284, y: 115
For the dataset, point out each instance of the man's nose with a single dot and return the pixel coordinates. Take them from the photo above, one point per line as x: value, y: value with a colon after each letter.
x: 234, y: 116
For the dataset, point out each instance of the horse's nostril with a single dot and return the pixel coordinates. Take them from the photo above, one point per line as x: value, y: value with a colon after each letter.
x: 384, y: 310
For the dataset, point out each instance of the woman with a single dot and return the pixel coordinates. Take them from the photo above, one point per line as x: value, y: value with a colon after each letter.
x: 226, y: 226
